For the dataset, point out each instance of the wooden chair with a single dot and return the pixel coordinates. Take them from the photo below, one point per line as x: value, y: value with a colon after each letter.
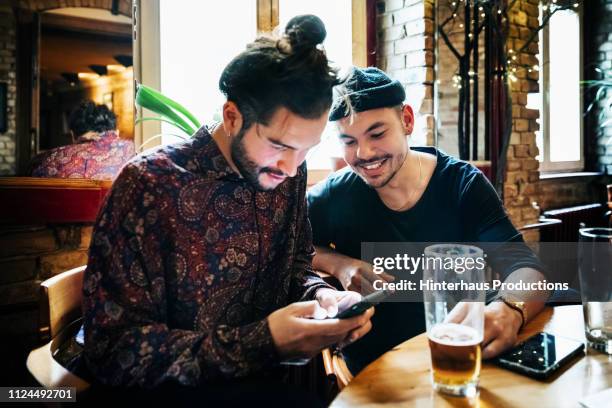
x: 60, y: 319
x: 336, y: 369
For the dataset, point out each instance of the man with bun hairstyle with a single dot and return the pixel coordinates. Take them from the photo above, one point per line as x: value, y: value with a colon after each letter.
x: 394, y: 193
x: 199, y: 271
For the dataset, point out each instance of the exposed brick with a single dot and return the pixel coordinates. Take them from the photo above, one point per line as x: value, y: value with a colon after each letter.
x: 26, y: 242
x: 17, y: 269
x: 521, y: 125
x: 518, y: 17
x: 533, y: 176
x: 19, y: 293
x: 530, y: 9
x: 512, y: 165
x: 531, y: 236
x: 528, y: 189
x: 86, y: 233
x: 521, y: 151
x: 531, y: 164
x: 510, y: 190
x: 533, y: 22
x: 392, y: 5
x: 413, y: 44
x: 528, y: 138
x: 52, y: 264
x: 68, y: 236
x: 530, y: 213
x: 524, y: 33
x: 394, y: 33
x: 407, y: 14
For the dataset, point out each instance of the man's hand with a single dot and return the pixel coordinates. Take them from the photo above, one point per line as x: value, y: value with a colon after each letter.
x: 334, y: 300
x: 353, y: 274
x: 301, y: 330
x: 358, y: 276
x: 501, y: 327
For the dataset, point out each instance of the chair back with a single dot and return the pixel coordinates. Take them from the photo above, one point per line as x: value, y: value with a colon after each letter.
x: 60, y: 302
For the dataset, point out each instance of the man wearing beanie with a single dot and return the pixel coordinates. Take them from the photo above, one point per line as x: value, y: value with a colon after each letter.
x: 394, y: 193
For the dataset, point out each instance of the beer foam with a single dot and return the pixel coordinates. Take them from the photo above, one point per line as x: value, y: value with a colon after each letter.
x: 453, y: 334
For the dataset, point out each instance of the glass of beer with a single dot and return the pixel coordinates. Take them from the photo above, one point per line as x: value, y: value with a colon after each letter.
x: 454, y: 299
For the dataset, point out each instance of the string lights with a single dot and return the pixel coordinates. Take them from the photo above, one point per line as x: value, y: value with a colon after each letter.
x: 515, y: 66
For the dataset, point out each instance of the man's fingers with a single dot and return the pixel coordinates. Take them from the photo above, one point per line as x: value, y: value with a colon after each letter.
x: 310, y: 309
x: 367, y: 273
x: 328, y: 301
x: 495, y: 347
x: 333, y: 327
x: 358, y: 333
x: 458, y: 313
x: 366, y: 287
x: 348, y: 299
x: 385, y: 276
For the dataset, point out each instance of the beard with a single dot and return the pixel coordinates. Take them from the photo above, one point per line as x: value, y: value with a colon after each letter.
x: 247, y: 166
x: 395, y: 163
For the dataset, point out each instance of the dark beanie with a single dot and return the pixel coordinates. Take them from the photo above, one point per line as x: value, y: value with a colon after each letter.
x: 367, y: 88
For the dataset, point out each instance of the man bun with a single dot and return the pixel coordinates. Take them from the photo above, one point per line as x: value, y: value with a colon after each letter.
x: 305, y: 31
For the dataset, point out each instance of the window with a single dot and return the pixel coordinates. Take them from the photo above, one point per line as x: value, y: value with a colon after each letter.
x: 197, y: 40
x: 560, y: 139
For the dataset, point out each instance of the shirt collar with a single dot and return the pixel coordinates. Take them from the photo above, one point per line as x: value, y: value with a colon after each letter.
x: 209, y: 157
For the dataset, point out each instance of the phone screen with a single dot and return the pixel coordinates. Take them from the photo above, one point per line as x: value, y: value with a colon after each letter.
x: 540, y: 355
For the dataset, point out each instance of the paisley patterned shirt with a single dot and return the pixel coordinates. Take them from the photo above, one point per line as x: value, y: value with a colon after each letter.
x: 186, y: 262
x: 100, y: 158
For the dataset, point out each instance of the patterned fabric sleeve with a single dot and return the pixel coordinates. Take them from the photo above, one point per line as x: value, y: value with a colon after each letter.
x: 305, y: 281
x: 128, y: 339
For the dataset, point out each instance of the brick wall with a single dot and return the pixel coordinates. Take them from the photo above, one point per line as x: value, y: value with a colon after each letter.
x: 568, y: 192
x: 447, y: 90
x: 8, y: 76
x: 521, y: 187
x: 406, y: 53
x: 29, y: 255
x: 598, y: 53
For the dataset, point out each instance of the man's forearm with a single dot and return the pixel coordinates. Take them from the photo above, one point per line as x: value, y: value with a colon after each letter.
x: 327, y: 260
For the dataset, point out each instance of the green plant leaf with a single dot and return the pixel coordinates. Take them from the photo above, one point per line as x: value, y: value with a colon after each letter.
x: 172, y: 111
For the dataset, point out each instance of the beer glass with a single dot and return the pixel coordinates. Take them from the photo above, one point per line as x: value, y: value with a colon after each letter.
x: 595, y: 272
x: 454, y: 316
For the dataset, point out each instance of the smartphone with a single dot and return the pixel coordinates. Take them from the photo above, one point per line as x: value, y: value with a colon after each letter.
x: 360, y: 307
x: 541, y: 355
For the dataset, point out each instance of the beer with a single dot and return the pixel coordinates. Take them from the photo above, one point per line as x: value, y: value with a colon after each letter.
x: 455, y: 355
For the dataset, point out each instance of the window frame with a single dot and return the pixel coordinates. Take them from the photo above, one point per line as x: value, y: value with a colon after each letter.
x: 546, y: 165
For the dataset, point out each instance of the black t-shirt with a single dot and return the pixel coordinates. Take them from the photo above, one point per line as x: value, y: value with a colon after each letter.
x: 458, y: 205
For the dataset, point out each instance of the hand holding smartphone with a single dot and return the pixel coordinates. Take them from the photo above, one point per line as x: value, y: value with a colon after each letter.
x: 360, y: 307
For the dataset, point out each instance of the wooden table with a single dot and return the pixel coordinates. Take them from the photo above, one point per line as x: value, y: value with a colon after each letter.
x: 401, y: 377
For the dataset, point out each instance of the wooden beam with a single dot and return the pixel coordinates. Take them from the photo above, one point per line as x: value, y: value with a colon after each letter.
x: 360, y: 33
x: 267, y: 15
x: 86, y: 25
